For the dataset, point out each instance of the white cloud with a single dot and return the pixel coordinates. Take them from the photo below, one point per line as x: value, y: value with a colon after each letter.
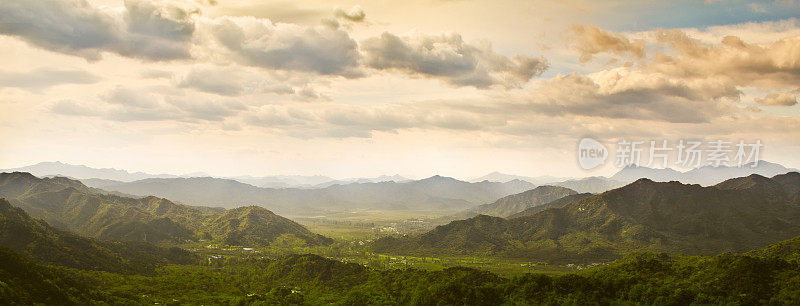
x: 590, y: 40
x: 449, y: 58
x: 46, y: 77
x: 148, y: 30
x: 289, y: 47
x: 175, y: 30
x: 354, y: 14
x: 72, y: 27
x: 73, y: 108
x: 778, y: 99
x: 173, y: 80
x: 226, y: 82
x: 128, y: 97
x: 771, y: 65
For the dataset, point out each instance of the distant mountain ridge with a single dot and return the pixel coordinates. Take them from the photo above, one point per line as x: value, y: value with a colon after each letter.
x: 516, y: 203
x: 502, y: 178
x: 706, y: 175
x: 592, y: 184
x: 80, y: 171
x: 100, y: 177
x: 436, y: 193
x: 69, y: 205
x: 737, y: 215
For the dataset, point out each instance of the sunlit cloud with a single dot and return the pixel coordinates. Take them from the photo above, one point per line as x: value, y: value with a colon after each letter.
x: 285, y: 78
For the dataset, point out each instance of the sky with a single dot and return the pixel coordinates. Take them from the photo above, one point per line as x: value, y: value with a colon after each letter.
x: 364, y: 88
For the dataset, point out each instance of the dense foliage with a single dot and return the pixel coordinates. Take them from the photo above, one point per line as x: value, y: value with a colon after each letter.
x: 70, y: 205
x: 516, y: 203
x: 647, y: 278
x: 737, y: 215
x: 38, y: 240
x: 255, y: 226
x: 25, y: 282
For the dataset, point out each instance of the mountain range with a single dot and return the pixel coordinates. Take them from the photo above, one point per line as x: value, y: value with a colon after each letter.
x: 502, y: 178
x: 98, y: 177
x: 736, y: 215
x: 592, y: 184
x: 434, y: 194
x: 44, y: 169
x: 69, y: 205
x: 706, y: 176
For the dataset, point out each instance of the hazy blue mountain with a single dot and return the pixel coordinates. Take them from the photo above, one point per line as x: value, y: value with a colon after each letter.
x: 706, y: 175
x: 633, y: 173
x: 99, y: 183
x: 311, y: 182
x: 284, y: 181
x: 436, y: 193
x: 101, y: 177
x: 502, y: 178
x: 379, y: 179
x: 83, y: 172
x: 593, y: 184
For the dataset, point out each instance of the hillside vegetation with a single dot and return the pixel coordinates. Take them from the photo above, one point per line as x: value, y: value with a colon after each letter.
x: 69, y: 205
x: 639, y: 278
x: 516, y: 203
x: 45, y: 244
x: 734, y: 216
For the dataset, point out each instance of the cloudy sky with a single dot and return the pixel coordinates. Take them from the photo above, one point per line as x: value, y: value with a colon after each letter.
x: 363, y: 88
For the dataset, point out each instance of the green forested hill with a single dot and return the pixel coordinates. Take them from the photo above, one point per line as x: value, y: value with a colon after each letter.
x: 552, y: 204
x: 787, y: 250
x: 253, y: 225
x: 43, y: 243
x: 516, y: 203
x: 108, y: 217
x: 69, y: 205
x: 737, y: 215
